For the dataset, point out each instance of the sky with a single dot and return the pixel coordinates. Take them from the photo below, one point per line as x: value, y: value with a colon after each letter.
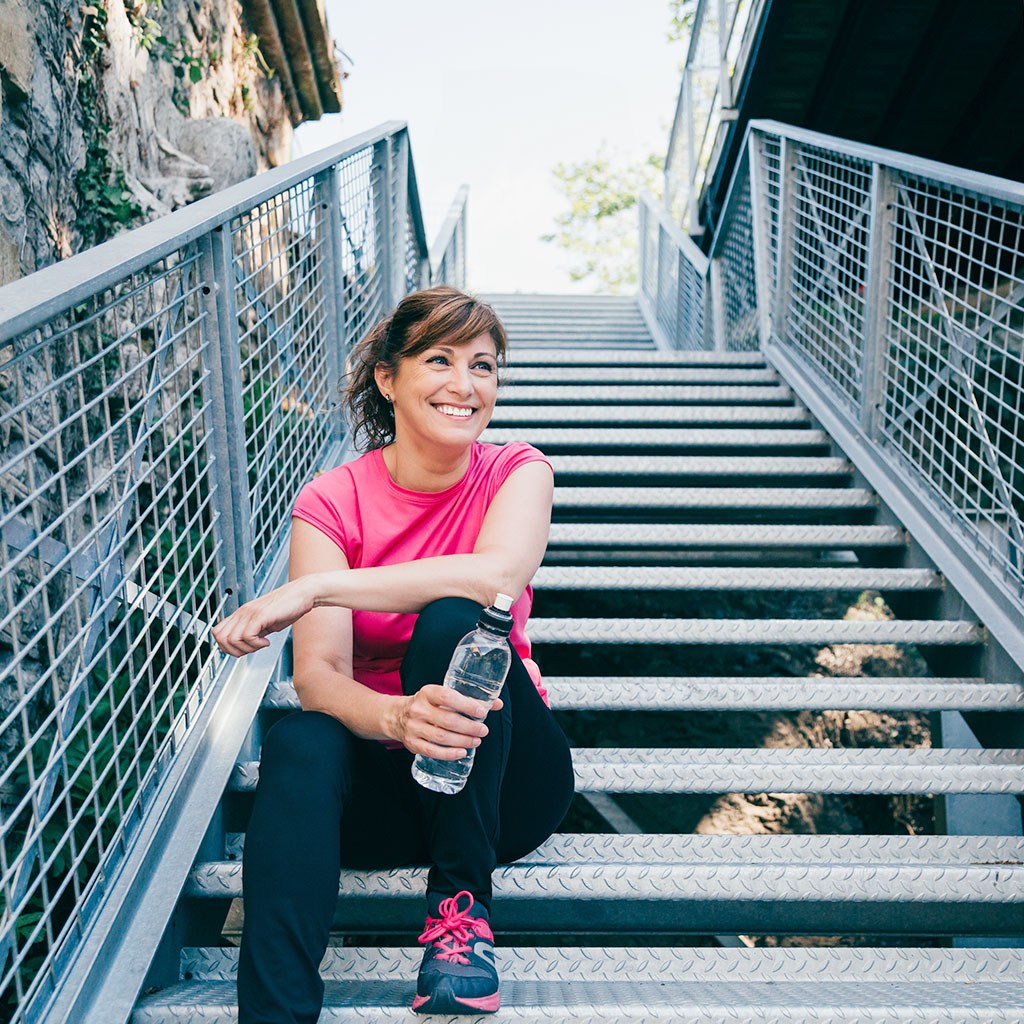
x: 495, y: 95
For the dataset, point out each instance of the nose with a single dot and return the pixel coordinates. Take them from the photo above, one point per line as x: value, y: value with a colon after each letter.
x: 460, y: 381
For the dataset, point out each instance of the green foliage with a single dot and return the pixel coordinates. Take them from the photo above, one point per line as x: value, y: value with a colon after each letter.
x: 599, y: 228
x: 104, y: 201
x: 682, y: 15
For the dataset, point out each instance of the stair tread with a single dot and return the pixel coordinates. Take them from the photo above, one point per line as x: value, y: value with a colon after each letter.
x: 700, y: 465
x: 772, y: 693
x: 706, y: 868
x: 778, y: 770
x: 724, y: 535
x: 519, y: 376
x: 716, y: 577
x: 742, y: 631
x: 643, y: 498
x: 591, y: 414
x: 609, y: 357
x: 663, y: 437
x: 582, y: 394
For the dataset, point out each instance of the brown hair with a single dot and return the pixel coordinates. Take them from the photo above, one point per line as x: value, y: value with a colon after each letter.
x: 419, y: 321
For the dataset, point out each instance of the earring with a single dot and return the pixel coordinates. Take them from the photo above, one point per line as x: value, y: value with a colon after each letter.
x: 387, y: 398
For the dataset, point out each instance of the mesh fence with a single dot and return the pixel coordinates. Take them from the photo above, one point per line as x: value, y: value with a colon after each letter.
x: 449, y: 251
x: 122, y: 431
x: 734, y: 253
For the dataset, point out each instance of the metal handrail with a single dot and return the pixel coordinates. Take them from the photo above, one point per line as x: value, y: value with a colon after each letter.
x: 164, y: 396
x: 448, y: 252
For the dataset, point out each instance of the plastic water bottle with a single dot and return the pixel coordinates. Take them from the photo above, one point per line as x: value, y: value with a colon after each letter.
x: 478, y: 668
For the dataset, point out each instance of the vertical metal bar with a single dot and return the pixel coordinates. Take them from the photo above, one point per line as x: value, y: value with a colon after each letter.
x: 724, y: 82
x: 642, y: 220
x: 762, y: 287
x: 717, y: 305
x: 691, y: 156
x: 329, y: 188
x: 226, y: 416
x: 789, y: 154
x: 876, y: 295
x: 401, y: 211
x: 380, y: 177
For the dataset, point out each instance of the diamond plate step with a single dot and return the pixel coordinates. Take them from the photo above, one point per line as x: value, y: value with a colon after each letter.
x: 633, y: 414
x: 755, y: 693
x: 754, y: 631
x: 777, y: 770
x: 584, y: 394
x: 642, y: 499
x: 721, y: 535
x: 572, y: 373
x: 656, y: 577
x: 699, y: 465
x: 627, y: 1001
x: 606, y: 357
x: 655, y: 437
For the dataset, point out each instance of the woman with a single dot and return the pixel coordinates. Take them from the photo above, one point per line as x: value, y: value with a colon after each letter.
x: 392, y: 557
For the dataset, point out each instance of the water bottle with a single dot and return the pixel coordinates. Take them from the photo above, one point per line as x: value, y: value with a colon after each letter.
x: 478, y: 668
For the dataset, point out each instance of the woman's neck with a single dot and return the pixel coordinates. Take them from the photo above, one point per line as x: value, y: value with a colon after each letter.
x: 426, y: 471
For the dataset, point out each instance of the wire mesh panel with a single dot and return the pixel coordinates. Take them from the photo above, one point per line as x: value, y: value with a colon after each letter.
x: 448, y: 253
x: 953, y: 391
x: 734, y: 251
x: 281, y: 272
x: 769, y: 154
x: 691, y: 299
x: 666, y: 299
x: 829, y: 258
x: 110, y: 570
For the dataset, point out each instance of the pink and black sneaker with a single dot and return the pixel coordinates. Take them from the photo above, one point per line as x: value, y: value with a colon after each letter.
x: 457, y: 974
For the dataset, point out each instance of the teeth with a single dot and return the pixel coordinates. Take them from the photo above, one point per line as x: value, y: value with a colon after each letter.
x: 451, y: 410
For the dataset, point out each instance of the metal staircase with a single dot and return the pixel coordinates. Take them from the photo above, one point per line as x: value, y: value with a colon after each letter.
x: 690, y: 481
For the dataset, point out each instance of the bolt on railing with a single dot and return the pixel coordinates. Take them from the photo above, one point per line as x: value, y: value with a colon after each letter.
x: 163, y: 398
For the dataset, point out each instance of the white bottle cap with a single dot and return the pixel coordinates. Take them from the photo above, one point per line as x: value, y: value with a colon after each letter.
x: 503, y: 602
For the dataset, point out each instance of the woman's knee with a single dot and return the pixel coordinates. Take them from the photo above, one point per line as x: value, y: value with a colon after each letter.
x: 307, y: 746
x: 439, y: 627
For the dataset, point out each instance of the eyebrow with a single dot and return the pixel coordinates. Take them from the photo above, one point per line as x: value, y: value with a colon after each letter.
x: 451, y: 351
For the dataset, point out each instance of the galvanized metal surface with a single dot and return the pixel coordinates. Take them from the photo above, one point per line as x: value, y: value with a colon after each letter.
x: 778, y: 770
x: 754, y: 631
x: 571, y: 373
x: 722, y: 535
x: 694, y: 414
x: 698, y: 465
x: 610, y: 357
x: 755, y: 693
x: 577, y: 394
x: 642, y: 499
x: 655, y: 437
x: 657, y: 577
x: 847, y: 869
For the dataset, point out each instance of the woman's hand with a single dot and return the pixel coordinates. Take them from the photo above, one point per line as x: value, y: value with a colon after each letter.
x: 433, y: 722
x: 245, y: 629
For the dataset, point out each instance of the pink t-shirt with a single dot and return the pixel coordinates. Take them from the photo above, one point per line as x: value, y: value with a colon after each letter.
x: 376, y: 522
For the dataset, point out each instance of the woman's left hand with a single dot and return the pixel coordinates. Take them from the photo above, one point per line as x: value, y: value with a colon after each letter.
x: 245, y: 629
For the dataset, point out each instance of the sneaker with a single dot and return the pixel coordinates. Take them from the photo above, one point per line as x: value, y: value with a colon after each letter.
x: 457, y: 974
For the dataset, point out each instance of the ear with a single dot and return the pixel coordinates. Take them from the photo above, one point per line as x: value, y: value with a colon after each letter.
x: 383, y: 376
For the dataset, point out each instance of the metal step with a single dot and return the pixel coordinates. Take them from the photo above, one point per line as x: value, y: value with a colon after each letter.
x: 755, y: 631
x: 777, y: 770
x: 722, y: 535
x: 523, y: 375
x: 643, y: 499
x: 699, y: 465
x: 547, y: 438
x: 703, y: 415
x: 637, y: 984
x: 755, y: 693
x: 716, y: 577
x: 655, y: 357
x: 585, y: 394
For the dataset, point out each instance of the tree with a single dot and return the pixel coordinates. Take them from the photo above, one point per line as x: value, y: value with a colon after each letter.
x: 599, y: 230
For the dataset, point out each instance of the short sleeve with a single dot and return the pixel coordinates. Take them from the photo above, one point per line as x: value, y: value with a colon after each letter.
x: 510, y: 458
x: 317, y: 505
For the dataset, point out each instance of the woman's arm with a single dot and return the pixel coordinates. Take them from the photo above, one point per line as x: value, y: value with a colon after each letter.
x: 507, y: 552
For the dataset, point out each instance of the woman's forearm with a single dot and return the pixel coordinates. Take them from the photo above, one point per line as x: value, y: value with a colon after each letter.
x: 409, y: 586
x: 365, y: 712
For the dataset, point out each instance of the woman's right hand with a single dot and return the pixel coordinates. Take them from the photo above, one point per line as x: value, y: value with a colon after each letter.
x: 433, y: 722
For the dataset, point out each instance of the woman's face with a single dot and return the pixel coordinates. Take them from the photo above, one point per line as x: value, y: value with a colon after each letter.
x: 444, y: 395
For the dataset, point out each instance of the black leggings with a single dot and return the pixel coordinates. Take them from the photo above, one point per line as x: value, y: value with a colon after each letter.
x: 329, y: 799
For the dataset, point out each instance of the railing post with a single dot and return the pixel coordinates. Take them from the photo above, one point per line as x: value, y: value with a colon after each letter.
x: 876, y: 296
x: 400, y: 156
x: 788, y: 156
x: 381, y: 174
x: 717, y: 304
x: 642, y: 269
x: 226, y: 416
x: 759, y: 236
x: 329, y: 186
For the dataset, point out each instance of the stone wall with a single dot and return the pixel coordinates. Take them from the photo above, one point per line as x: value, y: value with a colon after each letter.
x: 116, y: 112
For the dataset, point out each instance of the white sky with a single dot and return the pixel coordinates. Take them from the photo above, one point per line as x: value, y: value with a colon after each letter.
x: 495, y: 95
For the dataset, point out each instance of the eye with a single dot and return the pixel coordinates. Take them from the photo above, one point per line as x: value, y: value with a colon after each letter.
x: 443, y: 360
x: 484, y: 365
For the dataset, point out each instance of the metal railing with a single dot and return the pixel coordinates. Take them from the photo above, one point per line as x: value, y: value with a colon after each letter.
x: 722, y: 41
x: 163, y: 398
x: 448, y: 253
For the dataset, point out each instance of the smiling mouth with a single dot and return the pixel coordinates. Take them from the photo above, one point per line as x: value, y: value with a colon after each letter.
x: 455, y: 411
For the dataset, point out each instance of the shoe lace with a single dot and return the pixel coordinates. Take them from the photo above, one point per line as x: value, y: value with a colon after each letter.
x: 451, y: 931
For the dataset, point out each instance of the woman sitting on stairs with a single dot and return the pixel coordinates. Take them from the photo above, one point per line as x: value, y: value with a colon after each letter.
x: 392, y: 557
